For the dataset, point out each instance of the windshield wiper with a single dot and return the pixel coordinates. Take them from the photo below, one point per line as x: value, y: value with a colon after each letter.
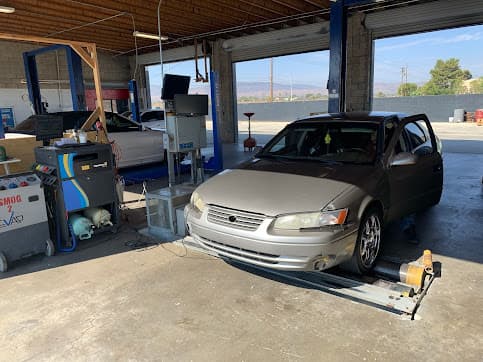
x: 278, y: 158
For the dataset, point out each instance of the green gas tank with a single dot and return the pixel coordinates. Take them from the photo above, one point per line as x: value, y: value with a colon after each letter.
x: 83, y: 228
x: 3, y: 154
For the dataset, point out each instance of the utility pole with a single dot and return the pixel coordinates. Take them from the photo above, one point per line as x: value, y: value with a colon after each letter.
x: 404, y: 81
x: 271, y: 79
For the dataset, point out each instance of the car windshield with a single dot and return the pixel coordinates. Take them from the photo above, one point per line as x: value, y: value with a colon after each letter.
x: 117, y: 123
x: 344, y: 142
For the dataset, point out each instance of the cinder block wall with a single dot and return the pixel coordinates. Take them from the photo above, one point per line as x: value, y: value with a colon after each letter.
x: 115, y: 73
x: 438, y: 108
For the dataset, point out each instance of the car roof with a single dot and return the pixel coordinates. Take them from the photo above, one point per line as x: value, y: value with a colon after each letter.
x: 354, y: 116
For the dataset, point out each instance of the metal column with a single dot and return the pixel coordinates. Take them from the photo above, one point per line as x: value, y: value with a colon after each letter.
x: 338, y: 61
x: 77, y: 90
x: 134, y: 100
x: 215, y: 104
x: 338, y: 43
x: 74, y: 66
x: 33, y: 85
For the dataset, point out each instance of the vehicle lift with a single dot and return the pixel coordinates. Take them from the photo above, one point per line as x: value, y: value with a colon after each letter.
x: 396, y: 287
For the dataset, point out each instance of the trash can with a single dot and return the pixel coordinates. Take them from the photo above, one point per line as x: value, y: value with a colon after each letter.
x: 459, y: 115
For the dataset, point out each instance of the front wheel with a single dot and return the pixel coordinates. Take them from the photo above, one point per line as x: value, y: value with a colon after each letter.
x: 3, y: 263
x: 367, y: 244
x: 49, y: 248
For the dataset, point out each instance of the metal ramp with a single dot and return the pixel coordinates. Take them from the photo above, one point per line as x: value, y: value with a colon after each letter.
x: 384, y: 294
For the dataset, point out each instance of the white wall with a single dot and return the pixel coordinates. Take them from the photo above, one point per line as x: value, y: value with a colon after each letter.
x: 10, y: 97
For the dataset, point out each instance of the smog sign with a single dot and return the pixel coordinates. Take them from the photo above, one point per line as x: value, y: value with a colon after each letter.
x: 8, y: 119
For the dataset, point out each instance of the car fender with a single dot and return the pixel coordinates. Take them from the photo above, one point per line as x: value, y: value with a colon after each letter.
x: 366, y: 201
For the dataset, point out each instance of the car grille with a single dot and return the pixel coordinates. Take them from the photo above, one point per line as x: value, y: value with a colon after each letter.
x: 234, y: 218
x: 234, y: 251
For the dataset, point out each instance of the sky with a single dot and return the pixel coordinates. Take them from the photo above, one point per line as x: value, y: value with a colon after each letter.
x: 418, y: 52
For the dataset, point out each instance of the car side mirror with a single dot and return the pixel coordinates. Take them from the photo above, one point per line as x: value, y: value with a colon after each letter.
x: 404, y: 159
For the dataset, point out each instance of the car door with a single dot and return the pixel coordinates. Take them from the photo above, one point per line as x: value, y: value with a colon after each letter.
x: 429, y: 167
x: 402, y: 179
x: 429, y: 151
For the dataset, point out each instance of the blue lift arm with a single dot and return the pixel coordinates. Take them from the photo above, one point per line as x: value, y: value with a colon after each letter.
x: 74, y: 66
x: 337, y: 44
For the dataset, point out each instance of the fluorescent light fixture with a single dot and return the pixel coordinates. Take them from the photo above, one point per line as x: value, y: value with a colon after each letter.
x: 6, y: 9
x: 139, y: 34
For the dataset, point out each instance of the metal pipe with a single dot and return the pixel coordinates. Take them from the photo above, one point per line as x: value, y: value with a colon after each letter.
x: 405, y: 273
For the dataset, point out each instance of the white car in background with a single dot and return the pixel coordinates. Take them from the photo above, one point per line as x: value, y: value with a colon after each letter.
x: 151, y: 118
x: 136, y: 145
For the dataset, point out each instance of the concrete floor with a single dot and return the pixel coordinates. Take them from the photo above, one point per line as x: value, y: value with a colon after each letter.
x: 121, y: 298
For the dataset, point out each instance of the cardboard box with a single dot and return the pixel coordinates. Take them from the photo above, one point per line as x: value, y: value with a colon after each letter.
x: 20, y: 146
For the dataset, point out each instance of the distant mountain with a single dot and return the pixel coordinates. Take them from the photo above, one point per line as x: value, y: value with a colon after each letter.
x: 262, y: 89
x: 389, y: 89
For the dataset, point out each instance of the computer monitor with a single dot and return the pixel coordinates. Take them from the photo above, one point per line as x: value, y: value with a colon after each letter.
x: 191, y: 105
x: 175, y: 84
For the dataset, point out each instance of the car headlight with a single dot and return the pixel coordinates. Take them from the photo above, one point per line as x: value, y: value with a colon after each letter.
x: 197, y: 202
x: 311, y: 220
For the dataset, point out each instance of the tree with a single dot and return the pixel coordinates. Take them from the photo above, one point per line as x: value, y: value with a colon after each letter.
x: 446, y: 78
x: 407, y: 89
x: 380, y: 94
x: 477, y: 86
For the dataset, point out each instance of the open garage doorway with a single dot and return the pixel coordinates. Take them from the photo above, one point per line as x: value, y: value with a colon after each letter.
x: 186, y: 67
x: 279, y: 90
x: 439, y: 73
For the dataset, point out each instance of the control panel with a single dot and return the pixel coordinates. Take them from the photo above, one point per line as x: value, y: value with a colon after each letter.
x: 22, y: 202
x: 16, y: 181
x: 46, y: 173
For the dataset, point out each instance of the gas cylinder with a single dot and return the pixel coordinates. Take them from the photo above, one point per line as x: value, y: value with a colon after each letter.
x: 82, y: 226
x: 99, y: 217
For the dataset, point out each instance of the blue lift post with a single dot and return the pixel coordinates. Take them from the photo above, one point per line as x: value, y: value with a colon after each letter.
x: 74, y: 66
x: 338, y: 43
x: 134, y: 100
x: 217, y: 145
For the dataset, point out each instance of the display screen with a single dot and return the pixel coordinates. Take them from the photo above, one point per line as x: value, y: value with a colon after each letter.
x: 175, y: 84
x: 195, y: 105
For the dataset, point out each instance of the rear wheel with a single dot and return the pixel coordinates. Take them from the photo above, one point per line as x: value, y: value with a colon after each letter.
x: 367, y: 244
x: 3, y: 263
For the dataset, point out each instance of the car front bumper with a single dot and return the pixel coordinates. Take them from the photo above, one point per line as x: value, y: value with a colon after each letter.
x: 293, y: 250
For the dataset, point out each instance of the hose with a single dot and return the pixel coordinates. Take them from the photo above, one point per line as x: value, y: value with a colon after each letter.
x: 59, y: 239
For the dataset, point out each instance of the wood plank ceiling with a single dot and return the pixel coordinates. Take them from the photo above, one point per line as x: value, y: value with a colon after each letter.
x: 110, y: 23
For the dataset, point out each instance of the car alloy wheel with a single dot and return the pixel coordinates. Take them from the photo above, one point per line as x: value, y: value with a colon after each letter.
x: 370, y: 240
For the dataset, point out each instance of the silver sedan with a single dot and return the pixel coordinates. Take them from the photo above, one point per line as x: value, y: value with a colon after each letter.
x: 318, y: 194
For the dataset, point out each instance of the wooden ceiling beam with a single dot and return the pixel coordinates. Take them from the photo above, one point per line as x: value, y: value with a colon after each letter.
x: 260, y: 15
x: 51, y: 8
x: 321, y: 4
x: 63, y: 25
x: 102, y: 41
x: 290, y: 6
x: 264, y: 5
x: 172, y: 10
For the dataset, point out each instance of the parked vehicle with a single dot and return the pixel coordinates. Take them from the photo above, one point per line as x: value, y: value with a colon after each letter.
x: 153, y: 119
x: 137, y: 146
x: 318, y: 194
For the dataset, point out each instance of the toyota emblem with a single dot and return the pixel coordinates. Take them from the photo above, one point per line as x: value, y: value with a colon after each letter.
x: 232, y: 218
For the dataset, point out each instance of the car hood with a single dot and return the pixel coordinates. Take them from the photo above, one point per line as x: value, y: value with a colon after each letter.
x: 270, y: 193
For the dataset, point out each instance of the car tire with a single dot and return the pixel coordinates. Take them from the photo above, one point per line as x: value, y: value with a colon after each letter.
x: 437, y: 199
x: 368, y: 243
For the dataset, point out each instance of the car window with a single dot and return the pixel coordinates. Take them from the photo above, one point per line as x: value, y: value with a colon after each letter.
x: 152, y: 116
x: 349, y: 142
x: 117, y: 123
x: 418, y: 134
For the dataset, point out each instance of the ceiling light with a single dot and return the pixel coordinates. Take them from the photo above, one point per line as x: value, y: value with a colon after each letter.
x: 139, y: 34
x: 6, y: 9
